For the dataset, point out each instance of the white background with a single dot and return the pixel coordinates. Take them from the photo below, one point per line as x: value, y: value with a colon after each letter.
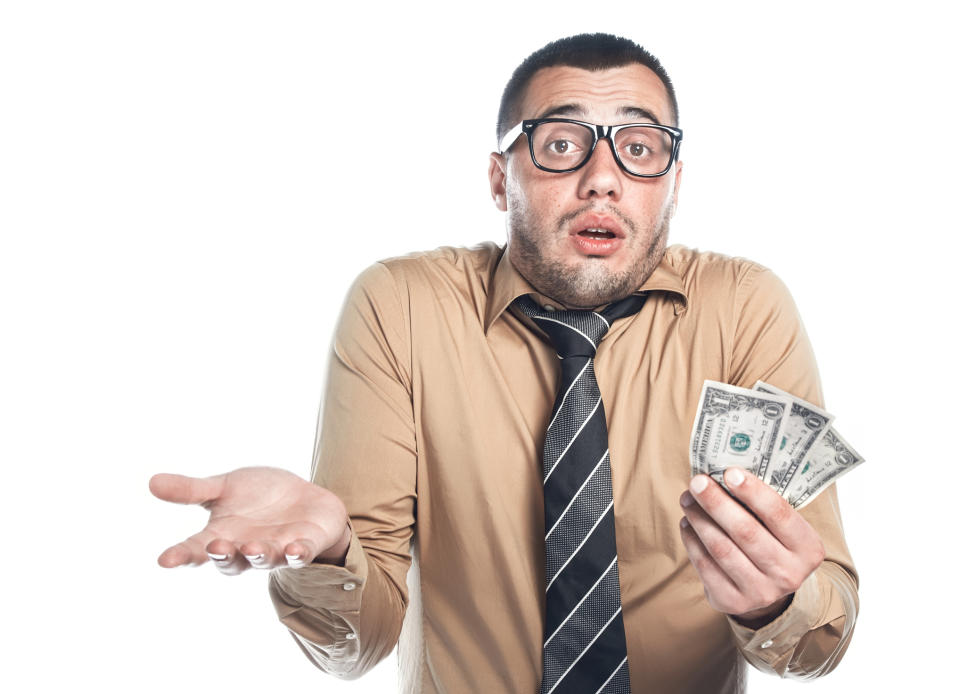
x: 188, y: 188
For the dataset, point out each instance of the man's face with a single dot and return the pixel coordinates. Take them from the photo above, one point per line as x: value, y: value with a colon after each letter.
x: 548, y: 214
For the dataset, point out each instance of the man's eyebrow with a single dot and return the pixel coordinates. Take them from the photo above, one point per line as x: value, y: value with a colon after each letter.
x: 634, y: 112
x: 563, y: 110
x: 637, y: 112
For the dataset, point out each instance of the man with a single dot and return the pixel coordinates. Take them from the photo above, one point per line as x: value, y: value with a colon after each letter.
x: 430, y: 491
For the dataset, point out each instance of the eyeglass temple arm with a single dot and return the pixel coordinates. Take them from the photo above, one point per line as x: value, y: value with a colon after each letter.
x: 510, y: 137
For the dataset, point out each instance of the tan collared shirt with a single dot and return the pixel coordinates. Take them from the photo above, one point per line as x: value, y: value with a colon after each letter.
x: 431, y: 432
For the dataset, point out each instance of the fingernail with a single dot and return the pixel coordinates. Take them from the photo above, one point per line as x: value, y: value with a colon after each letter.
x: 217, y: 557
x: 294, y: 561
x: 686, y: 499
x: 254, y: 558
x: 734, y: 476
x: 684, y: 523
x: 698, y: 484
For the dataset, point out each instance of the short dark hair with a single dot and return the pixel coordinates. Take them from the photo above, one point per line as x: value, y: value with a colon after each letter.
x: 588, y: 51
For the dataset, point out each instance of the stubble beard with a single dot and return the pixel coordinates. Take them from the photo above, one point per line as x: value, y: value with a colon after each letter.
x: 592, y: 283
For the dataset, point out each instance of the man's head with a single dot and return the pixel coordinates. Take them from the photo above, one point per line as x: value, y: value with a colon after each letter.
x: 603, y: 80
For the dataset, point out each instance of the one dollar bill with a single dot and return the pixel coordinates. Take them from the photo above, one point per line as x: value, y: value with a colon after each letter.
x: 830, y: 458
x: 805, y: 426
x: 736, y: 426
x: 787, y: 442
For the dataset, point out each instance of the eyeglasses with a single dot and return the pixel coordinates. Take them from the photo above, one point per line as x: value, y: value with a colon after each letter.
x: 561, y: 145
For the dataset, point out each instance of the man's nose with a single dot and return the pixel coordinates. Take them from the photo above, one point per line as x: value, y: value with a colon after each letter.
x: 601, y: 176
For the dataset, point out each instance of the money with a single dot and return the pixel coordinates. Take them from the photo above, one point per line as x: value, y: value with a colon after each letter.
x: 784, y: 440
x: 805, y: 426
x: 830, y: 458
x: 736, y: 426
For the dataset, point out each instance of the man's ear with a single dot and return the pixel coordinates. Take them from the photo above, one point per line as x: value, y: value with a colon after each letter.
x: 498, y: 180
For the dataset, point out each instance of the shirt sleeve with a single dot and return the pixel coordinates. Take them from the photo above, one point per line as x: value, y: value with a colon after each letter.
x: 812, y: 634
x: 346, y: 619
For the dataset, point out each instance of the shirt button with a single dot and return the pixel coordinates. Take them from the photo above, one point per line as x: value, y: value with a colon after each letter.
x: 349, y: 585
x: 351, y: 636
x: 767, y: 643
x: 550, y: 308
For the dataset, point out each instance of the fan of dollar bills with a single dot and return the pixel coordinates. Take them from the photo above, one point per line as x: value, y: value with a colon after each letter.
x: 787, y: 442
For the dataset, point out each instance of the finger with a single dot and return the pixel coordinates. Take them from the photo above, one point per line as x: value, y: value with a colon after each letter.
x: 175, y: 556
x: 226, y: 557
x: 781, y: 519
x: 721, y: 591
x: 724, y: 550
x: 190, y: 552
x: 300, y: 552
x: 181, y: 489
x: 737, y: 522
x: 263, y: 554
x: 305, y: 542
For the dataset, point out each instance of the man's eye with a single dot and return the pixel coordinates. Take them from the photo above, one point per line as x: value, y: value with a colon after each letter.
x: 560, y: 147
x: 637, y: 150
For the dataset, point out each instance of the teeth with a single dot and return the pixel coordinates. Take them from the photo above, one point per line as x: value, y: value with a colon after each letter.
x: 601, y: 233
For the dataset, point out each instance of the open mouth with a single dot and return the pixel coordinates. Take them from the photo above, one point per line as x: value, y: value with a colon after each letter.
x: 597, y: 234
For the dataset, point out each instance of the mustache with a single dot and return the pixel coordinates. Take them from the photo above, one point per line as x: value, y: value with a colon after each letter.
x: 589, y: 208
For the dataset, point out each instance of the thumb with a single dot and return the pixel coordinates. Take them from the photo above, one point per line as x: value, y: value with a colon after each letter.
x: 181, y: 489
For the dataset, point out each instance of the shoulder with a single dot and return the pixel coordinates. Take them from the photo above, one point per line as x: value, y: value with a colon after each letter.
x: 709, y: 270
x: 445, y: 265
x: 714, y: 280
x: 417, y: 284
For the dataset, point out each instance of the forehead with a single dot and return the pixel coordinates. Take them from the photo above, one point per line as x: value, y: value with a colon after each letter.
x: 602, y: 96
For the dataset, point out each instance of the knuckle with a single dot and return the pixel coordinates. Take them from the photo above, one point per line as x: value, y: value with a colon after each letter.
x: 781, y: 512
x: 819, y: 553
x: 788, y: 581
x: 779, y: 574
x: 748, y: 531
x: 722, y: 550
x: 700, y: 563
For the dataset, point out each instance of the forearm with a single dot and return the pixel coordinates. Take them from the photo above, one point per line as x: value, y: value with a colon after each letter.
x: 810, y: 637
x: 345, y: 619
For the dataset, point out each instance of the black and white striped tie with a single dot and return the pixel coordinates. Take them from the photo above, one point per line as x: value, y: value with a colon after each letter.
x: 584, y: 645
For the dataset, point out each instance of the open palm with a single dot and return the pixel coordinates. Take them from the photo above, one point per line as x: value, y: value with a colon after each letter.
x: 260, y: 517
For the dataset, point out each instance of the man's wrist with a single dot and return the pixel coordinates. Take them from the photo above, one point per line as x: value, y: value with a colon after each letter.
x: 755, y: 619
x: 336, y: 555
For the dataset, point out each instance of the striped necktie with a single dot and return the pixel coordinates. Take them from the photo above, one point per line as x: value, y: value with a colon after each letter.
x: 584, y: 649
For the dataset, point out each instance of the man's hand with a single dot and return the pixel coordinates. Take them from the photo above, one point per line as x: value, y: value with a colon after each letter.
x: 260, y: 517
x: 750, y: 566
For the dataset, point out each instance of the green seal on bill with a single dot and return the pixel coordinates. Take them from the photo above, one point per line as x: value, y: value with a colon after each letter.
x: 739, y: 442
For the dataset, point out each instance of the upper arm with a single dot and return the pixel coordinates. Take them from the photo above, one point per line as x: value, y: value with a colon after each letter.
x: 770, y: 342
x: 366, y: 448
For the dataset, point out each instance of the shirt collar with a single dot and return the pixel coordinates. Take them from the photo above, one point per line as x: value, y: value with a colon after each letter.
x: 508, y: 284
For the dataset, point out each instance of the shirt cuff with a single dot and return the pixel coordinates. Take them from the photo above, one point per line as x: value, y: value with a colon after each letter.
x: 327, y: 587
x: 773, y: 644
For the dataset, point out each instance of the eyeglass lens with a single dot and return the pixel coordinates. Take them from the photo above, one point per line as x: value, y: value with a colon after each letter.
x: 563, y: 146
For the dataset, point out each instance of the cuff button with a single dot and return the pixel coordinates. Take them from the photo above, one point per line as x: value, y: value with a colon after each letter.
x: 767, y: 643
x: 349, y: 585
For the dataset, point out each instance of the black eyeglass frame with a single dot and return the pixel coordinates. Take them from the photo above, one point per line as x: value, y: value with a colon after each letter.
x: 607, y: 132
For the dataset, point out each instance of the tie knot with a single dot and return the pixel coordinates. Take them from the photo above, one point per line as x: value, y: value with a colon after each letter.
x: 578, y: 332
